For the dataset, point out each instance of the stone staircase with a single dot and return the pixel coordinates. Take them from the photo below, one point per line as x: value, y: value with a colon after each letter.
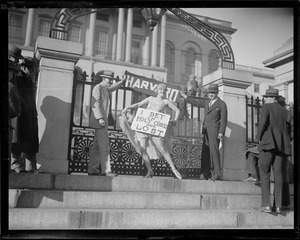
x: 64, y: 202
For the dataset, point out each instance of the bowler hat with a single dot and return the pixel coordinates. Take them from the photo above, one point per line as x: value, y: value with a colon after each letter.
x: 272, y: 93
x: 213, y: 88
x: 28, y: 62
x: 14, y: 51
x: 106, y: 73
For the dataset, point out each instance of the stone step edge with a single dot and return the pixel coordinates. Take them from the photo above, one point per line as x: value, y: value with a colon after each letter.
x: 66, y: 182
x: 144, y: 218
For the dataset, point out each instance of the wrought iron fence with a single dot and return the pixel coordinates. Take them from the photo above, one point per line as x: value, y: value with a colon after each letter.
x: 253, y: 106
x: 187, y: 144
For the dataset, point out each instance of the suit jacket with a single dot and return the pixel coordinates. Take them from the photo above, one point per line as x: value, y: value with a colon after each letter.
x: 272, y: 129
x: 100, y: 103
x: 215, y: 119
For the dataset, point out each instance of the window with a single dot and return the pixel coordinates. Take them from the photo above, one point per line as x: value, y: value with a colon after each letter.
x: 102, y: 17
x: 101, y: 38
x: 44, y: 28
x: 256, y: 87
x: 137, y: 24
x: 190, y: 61
x: 213, y: 62
x: 74, y: 34
x: 170, y: 58
x: 136, y: 51
x: 15, y: 23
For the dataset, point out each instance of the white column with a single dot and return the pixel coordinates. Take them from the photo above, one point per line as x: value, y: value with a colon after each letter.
x: 163, y: 41
x: 129, y: 35
x: 29, y: 27
x: 183, y: 65
x: 90, y: 48
x: 114, y: 46
x: 120, y: 34
x: 146, y: 50
x: 154, y: 47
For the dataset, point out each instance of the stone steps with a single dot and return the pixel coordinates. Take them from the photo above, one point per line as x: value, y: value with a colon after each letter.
x: 130, y: 200
x: 131, y: 184
x: 39, y: 218
x: 44, y: 201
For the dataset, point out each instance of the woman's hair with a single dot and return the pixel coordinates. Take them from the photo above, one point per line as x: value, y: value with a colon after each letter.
x: 161, y: 86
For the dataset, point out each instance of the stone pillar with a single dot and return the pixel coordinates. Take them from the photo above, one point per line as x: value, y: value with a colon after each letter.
x: 120, y: 34
x: 90, y: 47
x: 114, y: 44
x: 154, y: 47
x: 163, y: 41
x: 129, y: 35
x: 54, y: 97
x: 232, y: 90
x: 29, y: 27
x: 146, y: 50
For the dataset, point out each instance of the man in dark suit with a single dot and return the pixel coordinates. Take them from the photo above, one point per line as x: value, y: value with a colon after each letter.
x: 214, y: 125
x: 274, y: 147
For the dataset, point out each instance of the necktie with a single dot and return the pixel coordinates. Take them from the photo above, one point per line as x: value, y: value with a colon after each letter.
x: 210, y: 103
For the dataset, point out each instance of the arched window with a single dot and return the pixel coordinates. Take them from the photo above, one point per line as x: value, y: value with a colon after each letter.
x: 170, y: 61
x: 190, y: 61
x: 213, y: 61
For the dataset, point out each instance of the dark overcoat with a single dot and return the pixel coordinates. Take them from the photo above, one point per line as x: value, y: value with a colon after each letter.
x: 25, y: 133
x: 273, y: 130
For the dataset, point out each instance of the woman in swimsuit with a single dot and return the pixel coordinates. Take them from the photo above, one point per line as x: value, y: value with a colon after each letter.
x: 141, y: 140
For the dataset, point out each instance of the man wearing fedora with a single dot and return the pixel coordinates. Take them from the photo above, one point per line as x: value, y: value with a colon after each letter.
x: 274, y: 147
x: 214, y: 125
x: 14, y: 104
x: 25, y: 142
x: 99, y: 163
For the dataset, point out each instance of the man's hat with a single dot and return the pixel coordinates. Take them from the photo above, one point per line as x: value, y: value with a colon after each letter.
x: 213, y: 88
x: 28, y: 62
x: 14, y: 51
x: 107, y: 74
x: 272, y: 93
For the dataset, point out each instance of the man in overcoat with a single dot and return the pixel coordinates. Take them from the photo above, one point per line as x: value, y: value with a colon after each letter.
x: 25, y: 142
x: 274, y: 147
x: 214, y: 125
x: 99, y: 163
x: 14, y: 105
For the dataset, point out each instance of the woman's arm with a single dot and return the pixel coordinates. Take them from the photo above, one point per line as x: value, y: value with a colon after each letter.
x: 174, y: 108
x: 136, y: 105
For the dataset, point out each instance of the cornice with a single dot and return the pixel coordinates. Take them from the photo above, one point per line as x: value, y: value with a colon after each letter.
x: 220, y: 28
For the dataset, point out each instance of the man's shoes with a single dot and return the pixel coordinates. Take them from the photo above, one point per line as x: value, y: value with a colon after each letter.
x: 214, y: 179
x: 278, y: 210
x: 250, y: 179
x: 267, y: 209
x: 109, y: 174
x: 202, y: 177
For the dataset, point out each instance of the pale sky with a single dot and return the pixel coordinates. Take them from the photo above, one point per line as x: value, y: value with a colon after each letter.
x: 260, y: 31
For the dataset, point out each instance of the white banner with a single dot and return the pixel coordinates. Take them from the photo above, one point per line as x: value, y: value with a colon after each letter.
x: 150, y: 122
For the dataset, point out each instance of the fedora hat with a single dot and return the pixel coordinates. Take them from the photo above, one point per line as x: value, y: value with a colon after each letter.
x: 14, y: 51
x: 272, y: 93
x: 107, y: 74
x: 213, y: 88
x: 28, y: 62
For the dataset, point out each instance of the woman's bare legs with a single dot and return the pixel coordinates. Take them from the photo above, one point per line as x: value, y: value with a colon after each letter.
x: 159, y: 143
x: 143, y: 141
